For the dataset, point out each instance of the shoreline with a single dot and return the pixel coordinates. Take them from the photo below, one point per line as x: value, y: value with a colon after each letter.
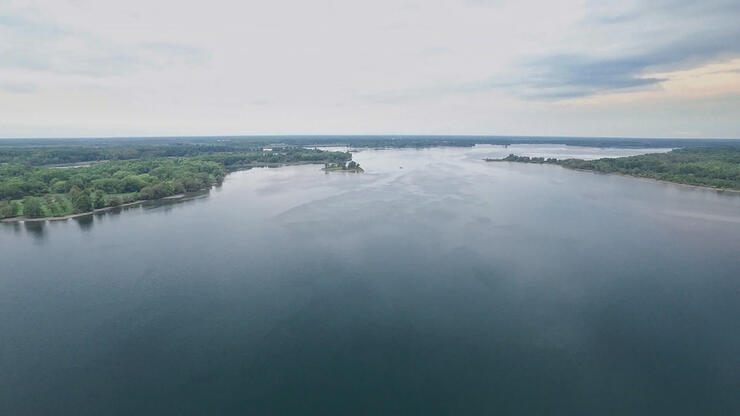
x: 663, y: 181
x: 624, y: 175
x: 343, y: 170
x: 82, y: 214
x: 141, y: 201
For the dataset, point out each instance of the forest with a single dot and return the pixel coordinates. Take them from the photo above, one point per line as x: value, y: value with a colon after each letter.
x: 69, y: 151
x: 139, y: 173
x: 53, y: 178
x: 715, y: 167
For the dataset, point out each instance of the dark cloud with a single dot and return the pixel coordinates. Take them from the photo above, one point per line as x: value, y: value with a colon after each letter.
x: 691, y: 34
x: 567, y: 76
x: 651, y: 37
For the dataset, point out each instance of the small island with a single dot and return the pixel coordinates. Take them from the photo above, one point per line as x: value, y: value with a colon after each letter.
x: 716, y: 167
x: 350, y: 166
x: 524, y: 159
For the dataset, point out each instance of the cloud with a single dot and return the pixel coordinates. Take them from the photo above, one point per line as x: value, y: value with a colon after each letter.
x: 678, y: 42
x: 25, y: 26
x: 567, y: 76
x: 435, y: 91
x: 434, y: 51
x: 571, y: 67
x: 563, y: 76
x: 31, y: 44
x: 612, y: 50
x: 18, y: 87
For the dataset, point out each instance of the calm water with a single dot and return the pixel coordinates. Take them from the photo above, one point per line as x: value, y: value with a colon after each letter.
x: 435, y: 283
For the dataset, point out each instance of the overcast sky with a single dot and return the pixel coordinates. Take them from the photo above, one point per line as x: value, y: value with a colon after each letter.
x: 660, y: 68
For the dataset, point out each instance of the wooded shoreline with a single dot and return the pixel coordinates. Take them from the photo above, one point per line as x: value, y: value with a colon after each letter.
x: 716, y: 168
x: 95, y: 211
x: 43, y: 192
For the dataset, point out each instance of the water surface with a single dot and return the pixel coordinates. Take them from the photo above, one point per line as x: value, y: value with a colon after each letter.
x: 435, y: 283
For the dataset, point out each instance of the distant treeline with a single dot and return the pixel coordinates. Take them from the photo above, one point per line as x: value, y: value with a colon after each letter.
x: 41, y: 191
x: 71, y: 154
x: 38, y: 152
x: 716, y: 167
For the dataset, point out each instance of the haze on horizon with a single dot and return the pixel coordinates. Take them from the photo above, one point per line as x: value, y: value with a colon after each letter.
x: 78, y: 68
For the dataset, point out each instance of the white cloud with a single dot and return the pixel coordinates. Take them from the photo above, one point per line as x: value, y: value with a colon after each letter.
x: 83, y: 67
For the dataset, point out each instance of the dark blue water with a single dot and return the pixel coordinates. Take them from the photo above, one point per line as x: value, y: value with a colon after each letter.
x: 435, y: 283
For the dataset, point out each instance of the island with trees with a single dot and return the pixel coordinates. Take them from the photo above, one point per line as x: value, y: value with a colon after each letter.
x: 61, y: 181
x: 350, y: 166
x: 713, y: 167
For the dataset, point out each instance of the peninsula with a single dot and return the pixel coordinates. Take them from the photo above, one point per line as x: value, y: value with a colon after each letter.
x: 62, y: 181
x: 711, y: 167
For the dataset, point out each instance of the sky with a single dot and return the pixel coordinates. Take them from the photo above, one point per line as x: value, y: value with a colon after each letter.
x: 98, y: 68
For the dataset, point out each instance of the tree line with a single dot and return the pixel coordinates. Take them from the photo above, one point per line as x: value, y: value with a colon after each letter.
x: 42, y: 191
x: 716, y: 167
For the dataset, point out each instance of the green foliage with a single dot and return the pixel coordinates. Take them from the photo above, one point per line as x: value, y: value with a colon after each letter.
x: 8, y: 209
x: 115, y: 201
x: 157, y: 191
x: 81, y: 189
x: 32, y: 207
x: 80, y: 199
x: 527, y: 159
x: 341, y: 166
x: 233, y: 152
x: 235, y: 161
x: 133, y: 183
x: 108, y: 185
x: 44, y: 152
x: 716, y: 167
x: 91, y: 152
x: 97, y: 199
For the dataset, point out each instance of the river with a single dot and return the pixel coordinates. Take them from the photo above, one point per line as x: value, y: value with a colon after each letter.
x: 434, y: 283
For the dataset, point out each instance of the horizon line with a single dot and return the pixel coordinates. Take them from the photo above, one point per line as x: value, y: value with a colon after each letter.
x: 338, y: 135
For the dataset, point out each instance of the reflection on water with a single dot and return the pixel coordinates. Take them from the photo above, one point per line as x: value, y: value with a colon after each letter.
x: 15, y: 226
x: 450, y: 286
x: 36, y: 229
x: 85, y: 222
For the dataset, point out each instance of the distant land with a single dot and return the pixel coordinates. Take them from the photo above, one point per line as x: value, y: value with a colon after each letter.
x: 41, y: 182
x: 57, y: 178
x: 396, y: 141
x: 712, y: 167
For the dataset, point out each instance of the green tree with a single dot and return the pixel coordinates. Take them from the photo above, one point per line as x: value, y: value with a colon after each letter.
x: 8, y: 209
x: 80, y: 199
x: 97, y: 199
x: 115, y: 201
x: 133, y: 183
x: 32, y: 207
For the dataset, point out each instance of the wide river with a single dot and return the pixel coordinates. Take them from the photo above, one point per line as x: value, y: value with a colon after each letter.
x: 435, y: 283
